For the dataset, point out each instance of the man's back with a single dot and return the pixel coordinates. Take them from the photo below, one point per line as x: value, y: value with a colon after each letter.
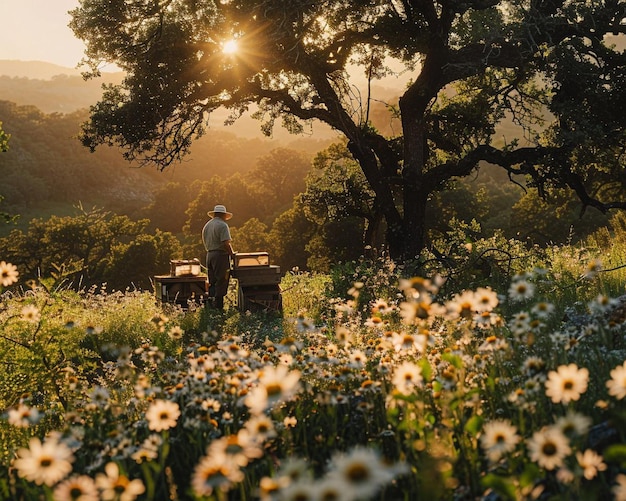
x: 215, y: 233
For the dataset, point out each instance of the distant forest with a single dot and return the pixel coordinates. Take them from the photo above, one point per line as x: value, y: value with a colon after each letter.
x: 47, y: 172
x: 46, y: 169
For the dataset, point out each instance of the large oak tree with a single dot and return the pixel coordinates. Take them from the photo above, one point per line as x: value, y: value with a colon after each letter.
x: 473, y: 63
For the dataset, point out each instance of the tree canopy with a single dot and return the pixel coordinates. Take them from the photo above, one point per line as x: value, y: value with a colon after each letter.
x: 548, y: 65
x: 4, y: 140
x: 90, y: 248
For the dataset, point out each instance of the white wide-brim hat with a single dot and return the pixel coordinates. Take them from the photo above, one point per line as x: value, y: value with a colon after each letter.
x: 220, y: 209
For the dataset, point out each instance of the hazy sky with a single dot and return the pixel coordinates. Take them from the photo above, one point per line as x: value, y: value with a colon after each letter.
x: 36, y: 30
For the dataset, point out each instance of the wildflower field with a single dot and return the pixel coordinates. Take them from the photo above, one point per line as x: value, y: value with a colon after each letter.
x: 374, y: 383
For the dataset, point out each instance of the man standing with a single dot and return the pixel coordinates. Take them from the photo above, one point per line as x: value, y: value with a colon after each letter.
x: 217, y: 242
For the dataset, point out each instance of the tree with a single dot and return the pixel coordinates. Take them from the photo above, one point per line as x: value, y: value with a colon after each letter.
x: 232, y: 192
x: 473, y: 64
x: 278, y: 177
x: 289, y: 236
x: 335, y: 242
x: 134, y: 264
x: 553, y: 220
x: 252, y: 236
x: 4, y: 140
x: 208, y: 192
x: 4, y: 146
x: 167, y: 210
x: 90, y: 248
x: 338, y: 198
x: 336, y: 189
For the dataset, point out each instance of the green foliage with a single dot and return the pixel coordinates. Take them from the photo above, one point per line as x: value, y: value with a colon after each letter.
x: 554, y: 219
x: 253, y: 236
x: 349, y: 377
x: 336, y: 241
x: 134, y: 264
x: 5, y: 216
x: 336, y: 187
x: 301, y: 291
x: 593, y: 265
x: 495, y: 196
x: 92, y: 247
x: 167, y: 210
x: 289, y: 236
x: 4, y: 140
x: 470, y: 66
x: 468, y: 260
x: 360, y: 282
x: 277, y: 178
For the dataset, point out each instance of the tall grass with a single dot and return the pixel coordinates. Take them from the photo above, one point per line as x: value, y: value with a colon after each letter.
x: 495, y: 375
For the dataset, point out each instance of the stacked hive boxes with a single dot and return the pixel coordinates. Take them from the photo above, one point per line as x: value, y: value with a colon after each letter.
x: 258, y: 282
x: 183, y: 285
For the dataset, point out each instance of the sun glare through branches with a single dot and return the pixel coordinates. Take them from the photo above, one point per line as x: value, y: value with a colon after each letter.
x: 230, y: 46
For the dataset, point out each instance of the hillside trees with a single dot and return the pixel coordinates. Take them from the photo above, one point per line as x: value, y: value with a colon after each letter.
x: 46, y: 169
x: 472, y: 63
x: 554, y: 220
x: 336, y: 189
x: 92, y: 247
x: 252, y: 236
x: 278, y: 176
x: 4, y: 146
x: 58, y: 94
x: 46, y: 166
x: 167, y: 210
x: 256, y: 198
x: 290, y: 236
x: 4, y: 140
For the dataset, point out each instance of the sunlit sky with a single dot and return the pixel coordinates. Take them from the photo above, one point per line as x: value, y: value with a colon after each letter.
x: 36, y: 30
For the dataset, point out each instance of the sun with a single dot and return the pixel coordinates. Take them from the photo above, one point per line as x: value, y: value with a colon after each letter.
x: 230, y: 47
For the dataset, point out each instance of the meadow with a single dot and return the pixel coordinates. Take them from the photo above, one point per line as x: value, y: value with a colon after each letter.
x: 499, y: 374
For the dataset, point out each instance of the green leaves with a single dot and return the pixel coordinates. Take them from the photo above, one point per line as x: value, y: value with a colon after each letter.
x: 92, y: 247
x: 304, y: 61
x: 4, y: 140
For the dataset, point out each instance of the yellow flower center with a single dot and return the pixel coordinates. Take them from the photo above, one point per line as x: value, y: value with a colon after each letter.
x: 357, y: 473
x: 549, y: 449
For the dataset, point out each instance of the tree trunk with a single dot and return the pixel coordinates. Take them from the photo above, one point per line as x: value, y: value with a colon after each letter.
x: 407, y: 239
x: 414, y: 237
x: 372, y: 230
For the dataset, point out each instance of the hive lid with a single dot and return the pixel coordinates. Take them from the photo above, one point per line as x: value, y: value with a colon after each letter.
x: 251, y: 259
x: 184, y: 267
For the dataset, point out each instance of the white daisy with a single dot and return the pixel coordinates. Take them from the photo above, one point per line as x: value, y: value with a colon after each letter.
x: 162, y: 415
x: 485, y: 299
x: 619, y: 490
x: 567, y: 383
x: 617, y: 384
x: 591, y: 463
x: 498, y: 439
x: 44, y: 463
x: 407, y: 377
x: 118, y: 487
x: 361, y: 469
x: 23, y: 416
x: 549, y: 447
x: 521, y: 290
x: 8, y: 274
x: 30, y: 313
x: 77, y: 488
x: 213, y: 473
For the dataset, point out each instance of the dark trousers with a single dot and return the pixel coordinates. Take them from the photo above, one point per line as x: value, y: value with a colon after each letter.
x: 218, y: 272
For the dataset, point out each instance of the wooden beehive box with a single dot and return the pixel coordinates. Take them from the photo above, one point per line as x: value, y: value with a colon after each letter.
x: 254, y: 268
